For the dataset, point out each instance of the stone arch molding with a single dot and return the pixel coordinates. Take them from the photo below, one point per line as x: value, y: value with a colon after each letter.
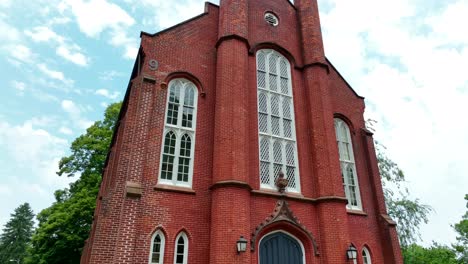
x: 282, y: 213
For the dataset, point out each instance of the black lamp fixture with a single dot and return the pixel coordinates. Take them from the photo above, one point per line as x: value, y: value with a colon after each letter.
x: 241, y: 244
x: 351, y: 252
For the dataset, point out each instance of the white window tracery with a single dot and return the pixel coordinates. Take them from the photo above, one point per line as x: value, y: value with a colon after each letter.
x: 366, y: 257
x: 181, y: 249
x: 348, y: 166
x: 276, y: 126
x: 179, y: 134
x: 157, y: 248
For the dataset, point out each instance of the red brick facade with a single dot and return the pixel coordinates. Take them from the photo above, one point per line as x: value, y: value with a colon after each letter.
x: 217, y: 52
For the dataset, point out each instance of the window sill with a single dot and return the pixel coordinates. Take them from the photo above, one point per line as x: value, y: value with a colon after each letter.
x: 292, y: 196
x: 172, y: 188
x: 356, y: 212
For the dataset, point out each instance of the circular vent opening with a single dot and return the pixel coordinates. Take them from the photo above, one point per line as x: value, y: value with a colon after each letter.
x: 271, y: 19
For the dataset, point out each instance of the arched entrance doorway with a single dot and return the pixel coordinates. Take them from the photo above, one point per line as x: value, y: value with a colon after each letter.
x: 280, y: 248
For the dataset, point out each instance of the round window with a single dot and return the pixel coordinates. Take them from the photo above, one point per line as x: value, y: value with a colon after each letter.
x: 271, y: 19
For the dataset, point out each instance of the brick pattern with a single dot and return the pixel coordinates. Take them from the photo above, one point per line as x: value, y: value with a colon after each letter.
x: 221, y: 207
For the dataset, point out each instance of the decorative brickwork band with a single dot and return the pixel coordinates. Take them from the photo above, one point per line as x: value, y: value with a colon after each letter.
x: 282, y: 212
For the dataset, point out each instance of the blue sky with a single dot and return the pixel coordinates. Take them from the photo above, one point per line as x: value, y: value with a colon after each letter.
x: 63, y: 61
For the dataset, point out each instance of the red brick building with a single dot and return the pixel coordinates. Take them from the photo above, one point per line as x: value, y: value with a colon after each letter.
x: 235, y: 125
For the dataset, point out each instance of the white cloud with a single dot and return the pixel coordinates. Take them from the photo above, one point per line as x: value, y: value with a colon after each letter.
x: 65, y: 48
x: 5, y: 190
x: 43, y: 34
x: 446, y: 26
x: 169, y: 13
x: 95, y: 16
x: 5, y: 3
x: 51, y: 73
x: 20, y: 86
x: 28, y: 161
x: 70, y: 107
x: 106, y: 93
x: 65, y: 130
x: 76, y: 57
x: 8, y: 33
x: 75, y: 113
x: 43, y: 121
x: 110, y: 75
x: 29, y: 146
x: 21, y: 53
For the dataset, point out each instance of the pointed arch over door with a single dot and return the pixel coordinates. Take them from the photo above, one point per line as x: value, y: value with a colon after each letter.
x: 280, y: 248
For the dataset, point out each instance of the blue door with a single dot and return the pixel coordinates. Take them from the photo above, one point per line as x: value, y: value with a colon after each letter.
x: 279, y: 248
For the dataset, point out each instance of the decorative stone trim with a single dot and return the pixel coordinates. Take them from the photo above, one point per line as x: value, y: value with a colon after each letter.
x: 149, y: 79
x: 281, y: 213
x: 356, y: 212
x: 332, y: 199
x: 238, y: 184
x: 289, y: 196
x: 177, y: 189
x: 388, y: 219
x: 133, y: 189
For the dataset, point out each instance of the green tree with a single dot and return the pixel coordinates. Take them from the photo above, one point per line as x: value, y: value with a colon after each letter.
x: 461, y: 247
x: 64, y: 226
x: 436, y: 254
x: 16, y: 235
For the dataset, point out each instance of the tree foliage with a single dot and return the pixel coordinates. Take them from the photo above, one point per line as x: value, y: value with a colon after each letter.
x: 461, y: 247
x: 436, y: 254
x: 16, y: 235
x: 64, y: 226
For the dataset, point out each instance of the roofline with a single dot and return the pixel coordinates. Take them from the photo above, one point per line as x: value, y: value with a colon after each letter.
x: 181, y: 23
x: 342, y: 78
x: 123, y: 109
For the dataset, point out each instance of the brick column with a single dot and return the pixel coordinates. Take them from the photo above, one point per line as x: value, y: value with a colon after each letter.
x: 230, y: 214
x: 334, y: 234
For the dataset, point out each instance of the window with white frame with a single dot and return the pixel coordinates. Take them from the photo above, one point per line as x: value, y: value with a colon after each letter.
x: 157, y: 248
x: 366, y: 257
x: 179, y: 134
x: 276, y: 126
x: 181, y: 249
x: 348, y: 167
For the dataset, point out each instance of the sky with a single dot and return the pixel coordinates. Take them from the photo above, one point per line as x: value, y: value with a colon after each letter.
x: 63, y: 61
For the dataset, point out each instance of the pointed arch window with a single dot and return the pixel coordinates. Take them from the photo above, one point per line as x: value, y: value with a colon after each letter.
x: 181, y: 249
x: 157, y: 248
x: 366, y: 257
x: 276, y: 126
x: 179, y: 134
x: 348, y: 166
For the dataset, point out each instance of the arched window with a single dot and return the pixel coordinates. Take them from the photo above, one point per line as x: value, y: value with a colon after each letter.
x: 157, y: 248
x: 276, y: 126
x: 366, y: 257
x: 348, y: 167
x: 181, y: 249
x: 179, y: 134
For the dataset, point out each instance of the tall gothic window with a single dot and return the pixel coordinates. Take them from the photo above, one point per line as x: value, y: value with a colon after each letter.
x: 179, y: 134
x: 366, y: 257
x: 157, y: 248
x: 181, y: 249
x: 348, y: 167
x: 276, y: 126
